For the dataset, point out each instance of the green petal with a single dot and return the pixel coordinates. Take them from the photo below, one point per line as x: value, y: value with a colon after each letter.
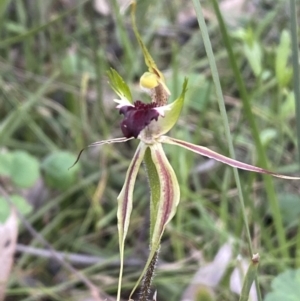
x: 118, y: 85
x: 125, y: 204
x: 172, y: 113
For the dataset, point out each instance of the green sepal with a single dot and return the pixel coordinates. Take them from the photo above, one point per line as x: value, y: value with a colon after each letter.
x: 148, y: 58
x: 118, y: 84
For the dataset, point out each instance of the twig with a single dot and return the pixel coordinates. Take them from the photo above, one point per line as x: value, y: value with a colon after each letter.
x: 78, y: 259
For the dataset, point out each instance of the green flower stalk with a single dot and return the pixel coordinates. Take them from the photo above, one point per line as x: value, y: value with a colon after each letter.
x: 149, y: 122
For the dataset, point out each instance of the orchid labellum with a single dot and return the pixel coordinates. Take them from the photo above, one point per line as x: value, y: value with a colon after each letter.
x: 149, y: 122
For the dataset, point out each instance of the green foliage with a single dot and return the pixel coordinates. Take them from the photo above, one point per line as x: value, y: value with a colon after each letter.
x: 286, y: 286
x: 40, y: 42
x: 5, y: 164
x: 21, y: 167
x: 283, y: 53
x: 252, y: 49
x: 289, y: 208
x: 204, y: 294
x: 19, y: 202
x: 3, y: 7
x: 56, y: 170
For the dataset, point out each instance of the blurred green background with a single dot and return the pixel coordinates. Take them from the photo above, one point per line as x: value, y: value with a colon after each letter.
x: 55, y: 100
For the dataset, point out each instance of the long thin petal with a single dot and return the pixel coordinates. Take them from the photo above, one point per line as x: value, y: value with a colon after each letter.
x: 110, y: 141
x: 204, y: 151
x: 125, y: 204
x: 98, y: 143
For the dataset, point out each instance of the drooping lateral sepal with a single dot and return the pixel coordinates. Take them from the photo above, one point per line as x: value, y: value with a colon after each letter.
x: 154, y: 185
x: 125, y: 200
x: 204, y: 151
x: 169, y: 194
x: 164, y: 208
x: 118, y: 84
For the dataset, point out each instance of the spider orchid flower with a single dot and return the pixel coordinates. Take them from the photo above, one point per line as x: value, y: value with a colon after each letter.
x: 149, y: 122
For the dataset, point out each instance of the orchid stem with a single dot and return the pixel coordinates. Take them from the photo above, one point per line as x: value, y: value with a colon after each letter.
x: 148, y: 278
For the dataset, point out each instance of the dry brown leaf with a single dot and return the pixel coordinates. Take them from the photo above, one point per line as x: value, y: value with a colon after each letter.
x: 8, y: 241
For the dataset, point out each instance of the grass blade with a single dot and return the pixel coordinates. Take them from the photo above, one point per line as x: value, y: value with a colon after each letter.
x: 221, y: 102
x: 255, y: 133
x: 295, y: 57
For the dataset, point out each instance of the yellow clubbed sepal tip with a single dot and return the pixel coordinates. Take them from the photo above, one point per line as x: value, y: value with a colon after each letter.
x: 149, y: 80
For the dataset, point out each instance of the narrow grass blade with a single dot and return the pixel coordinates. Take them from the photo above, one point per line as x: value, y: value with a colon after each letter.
x: 262, y: 159
x: 15, y: 118
x: 221, y: 102
x: 249, y: 278
x: 296, y: 72
x: 37, y: 29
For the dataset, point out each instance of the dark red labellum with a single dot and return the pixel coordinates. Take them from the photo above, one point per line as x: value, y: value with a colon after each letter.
x: 137, y: 118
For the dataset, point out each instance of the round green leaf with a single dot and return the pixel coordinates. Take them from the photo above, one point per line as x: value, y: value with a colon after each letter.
x: 286, y: 286
x: 5, y: 164
x: 24, y: 169
x: 57, y: 172
x: 289, y: 208
x: 21, y: 204
x: 4, y: 210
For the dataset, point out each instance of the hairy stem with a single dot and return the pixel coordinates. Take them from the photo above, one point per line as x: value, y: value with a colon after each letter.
x: 145, y: 290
